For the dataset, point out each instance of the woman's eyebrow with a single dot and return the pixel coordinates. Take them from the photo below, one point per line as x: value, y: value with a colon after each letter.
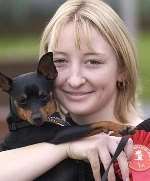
x: 102, y: 55
x: 93, y: 53
x: 59, y: 53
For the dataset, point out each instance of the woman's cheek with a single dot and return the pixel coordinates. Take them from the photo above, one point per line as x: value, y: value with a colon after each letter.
x: 62, y: 76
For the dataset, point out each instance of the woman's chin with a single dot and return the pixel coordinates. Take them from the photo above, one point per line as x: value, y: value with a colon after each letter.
x: 79, y: 110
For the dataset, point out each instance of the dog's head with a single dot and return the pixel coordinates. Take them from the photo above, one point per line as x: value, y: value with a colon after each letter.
x: 31, y: 94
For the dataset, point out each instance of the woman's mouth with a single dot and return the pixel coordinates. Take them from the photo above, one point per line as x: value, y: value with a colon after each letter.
x: 77, y: 95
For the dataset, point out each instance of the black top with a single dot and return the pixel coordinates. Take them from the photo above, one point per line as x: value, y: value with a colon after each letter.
x: 67, y: 170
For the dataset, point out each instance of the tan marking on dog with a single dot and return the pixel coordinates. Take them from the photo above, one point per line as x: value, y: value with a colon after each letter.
x: 24, y: 114
x: 49, y: 109
x: 107, y: 126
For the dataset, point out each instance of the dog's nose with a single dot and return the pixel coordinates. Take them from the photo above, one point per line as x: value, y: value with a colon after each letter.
x: 37, y: 119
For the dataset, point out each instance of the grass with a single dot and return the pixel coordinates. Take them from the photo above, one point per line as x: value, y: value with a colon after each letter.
x: 16, y: 47
x: 144, y: 64
x: 19, y: 47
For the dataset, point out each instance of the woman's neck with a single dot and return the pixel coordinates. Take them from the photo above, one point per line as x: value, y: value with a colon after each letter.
x: 92, y: 118
x: 95, y: 117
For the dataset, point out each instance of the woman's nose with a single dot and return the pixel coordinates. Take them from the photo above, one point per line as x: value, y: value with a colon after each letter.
x: 76, y: 78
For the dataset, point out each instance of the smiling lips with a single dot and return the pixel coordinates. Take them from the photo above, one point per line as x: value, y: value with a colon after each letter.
x: 77, y: 95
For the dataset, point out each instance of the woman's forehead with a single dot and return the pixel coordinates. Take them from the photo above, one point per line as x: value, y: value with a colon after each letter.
x: 84, y: 38
x: 78, y: 33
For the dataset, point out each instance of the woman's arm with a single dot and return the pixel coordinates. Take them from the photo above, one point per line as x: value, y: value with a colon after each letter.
x: 29, y: 162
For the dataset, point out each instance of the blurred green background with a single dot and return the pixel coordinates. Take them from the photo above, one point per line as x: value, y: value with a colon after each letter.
x: 22, y: 23
x: 144, y: 64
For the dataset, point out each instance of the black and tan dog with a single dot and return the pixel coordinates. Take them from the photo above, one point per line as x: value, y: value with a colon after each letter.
x: 31, y: 120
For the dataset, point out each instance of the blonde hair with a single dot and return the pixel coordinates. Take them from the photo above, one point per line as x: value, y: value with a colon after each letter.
x: 98, y: 15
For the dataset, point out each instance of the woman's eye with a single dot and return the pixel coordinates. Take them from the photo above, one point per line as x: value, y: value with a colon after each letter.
x: 59, y: 62
x: 94, y: 62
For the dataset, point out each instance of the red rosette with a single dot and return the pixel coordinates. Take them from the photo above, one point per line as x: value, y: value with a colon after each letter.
x: 141, y: 137
x: 140, y: 160
x: 138, y: 172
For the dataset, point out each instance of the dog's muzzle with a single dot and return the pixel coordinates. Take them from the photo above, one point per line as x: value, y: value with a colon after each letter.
x: 37, y: 119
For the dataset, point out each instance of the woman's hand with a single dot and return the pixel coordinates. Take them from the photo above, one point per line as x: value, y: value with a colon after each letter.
x: 97, y: 149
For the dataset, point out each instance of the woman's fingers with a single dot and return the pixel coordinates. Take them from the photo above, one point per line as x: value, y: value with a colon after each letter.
x: 106, y: 159
x: 123, y: 164
x: 129, y: 148
x: 123, y: 157
x: 93, y: 158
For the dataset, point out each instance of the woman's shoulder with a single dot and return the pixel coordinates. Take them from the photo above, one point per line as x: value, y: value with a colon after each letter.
x: 142, y: 134
x: 140, y: 124
x: 144, y: 125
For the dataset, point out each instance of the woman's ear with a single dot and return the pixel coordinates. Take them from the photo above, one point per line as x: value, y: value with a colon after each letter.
x: 46, y: 66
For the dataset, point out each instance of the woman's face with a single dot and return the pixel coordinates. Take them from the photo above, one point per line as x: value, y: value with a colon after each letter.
x: 86, y: 82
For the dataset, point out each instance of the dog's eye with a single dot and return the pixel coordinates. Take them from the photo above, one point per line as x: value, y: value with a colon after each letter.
x: 44, y: 97
x: 22, y: 101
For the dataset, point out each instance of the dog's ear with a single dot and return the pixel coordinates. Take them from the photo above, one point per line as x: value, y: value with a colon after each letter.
x: 46, y: 66
x: 5, y: 83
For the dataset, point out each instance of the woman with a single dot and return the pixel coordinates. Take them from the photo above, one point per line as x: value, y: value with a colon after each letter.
x: 96, y: 63
x: 97, y: 79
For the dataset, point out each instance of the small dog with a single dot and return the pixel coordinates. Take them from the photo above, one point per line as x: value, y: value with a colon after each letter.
x: 31, y: 120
